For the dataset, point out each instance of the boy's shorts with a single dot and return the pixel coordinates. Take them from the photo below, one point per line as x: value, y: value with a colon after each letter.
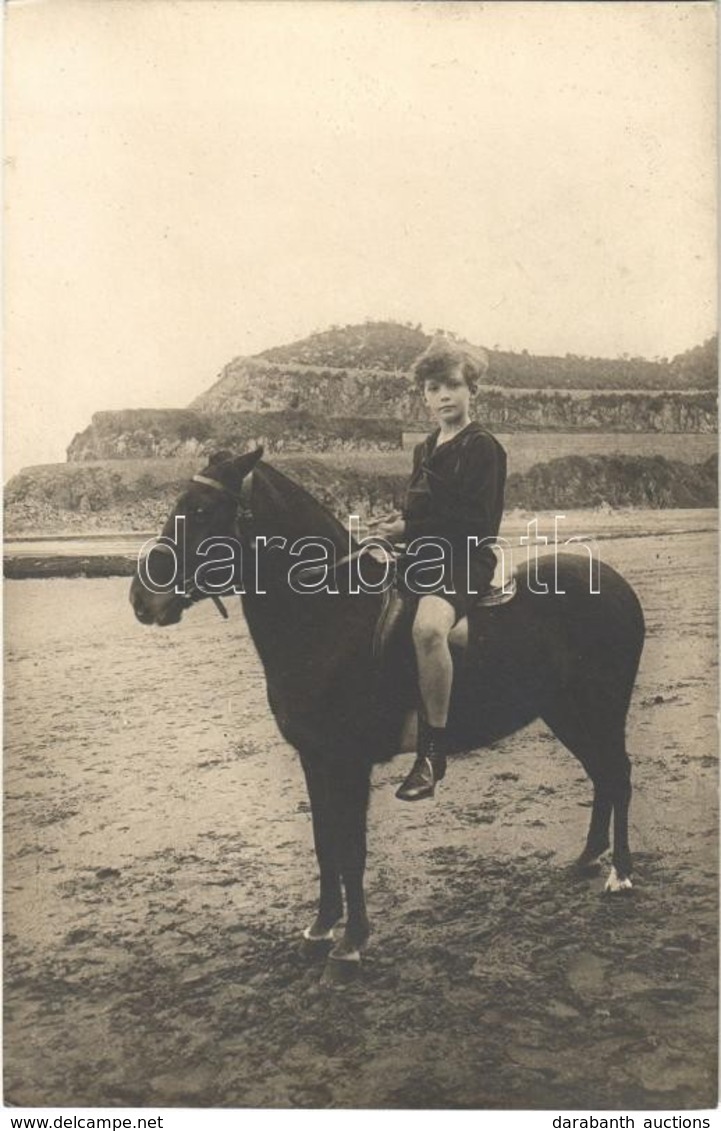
x: 468, y: 583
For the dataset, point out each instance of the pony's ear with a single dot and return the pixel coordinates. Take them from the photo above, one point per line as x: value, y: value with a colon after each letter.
x: 230, y: 469
x: 245, y: 463
x: 239, y: 465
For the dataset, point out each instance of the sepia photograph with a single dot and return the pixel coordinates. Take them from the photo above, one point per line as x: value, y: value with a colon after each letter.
x: 361, y: 558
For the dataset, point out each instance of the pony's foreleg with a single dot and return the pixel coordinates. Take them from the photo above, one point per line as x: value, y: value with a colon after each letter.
x: 330, y: 906
x: 349, y: 787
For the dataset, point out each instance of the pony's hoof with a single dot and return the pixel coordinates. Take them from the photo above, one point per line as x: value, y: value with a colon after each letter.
x: 316, y: 943
x: 341, y: 971
x: 616, y: 883
x: 315, y: 950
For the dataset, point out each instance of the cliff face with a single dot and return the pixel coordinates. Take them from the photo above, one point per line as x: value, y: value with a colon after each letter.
x: 600, y: 412
x: 251, y: 385
x: 291, y: 413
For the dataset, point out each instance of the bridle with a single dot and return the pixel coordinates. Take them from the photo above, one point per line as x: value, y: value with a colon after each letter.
x: 244, y: 519
x: 244, y: 514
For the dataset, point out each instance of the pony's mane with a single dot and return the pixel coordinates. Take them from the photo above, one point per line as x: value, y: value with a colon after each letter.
x: 307, y: 515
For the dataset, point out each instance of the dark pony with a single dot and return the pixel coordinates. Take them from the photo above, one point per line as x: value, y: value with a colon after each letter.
x: 565, y: 654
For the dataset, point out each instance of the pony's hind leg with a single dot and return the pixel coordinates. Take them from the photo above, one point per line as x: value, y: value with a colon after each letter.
x: 612, y: 784
x: 600, y: 747
x: 598, y: 839
x: 612, y: 793
x: 620, y: 791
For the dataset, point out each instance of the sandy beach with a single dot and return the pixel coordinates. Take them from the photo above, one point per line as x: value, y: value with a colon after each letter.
x: 159, y: 870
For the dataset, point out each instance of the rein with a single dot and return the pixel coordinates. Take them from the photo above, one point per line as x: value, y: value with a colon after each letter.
x: 332, y: 569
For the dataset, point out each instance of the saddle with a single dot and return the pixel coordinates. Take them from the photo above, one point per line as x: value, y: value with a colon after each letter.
x: 398, y: 609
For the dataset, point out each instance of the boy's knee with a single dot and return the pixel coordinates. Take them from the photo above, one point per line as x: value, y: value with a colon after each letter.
x: 428, y: 634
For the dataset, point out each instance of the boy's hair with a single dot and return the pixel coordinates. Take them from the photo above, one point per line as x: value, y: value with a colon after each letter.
x: 443, y: 356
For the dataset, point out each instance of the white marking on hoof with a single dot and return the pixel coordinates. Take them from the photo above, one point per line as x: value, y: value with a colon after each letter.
x: 614, y: 883
x: 310, y: 936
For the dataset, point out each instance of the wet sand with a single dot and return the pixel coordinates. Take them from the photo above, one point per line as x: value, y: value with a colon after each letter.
x: 159, y: 869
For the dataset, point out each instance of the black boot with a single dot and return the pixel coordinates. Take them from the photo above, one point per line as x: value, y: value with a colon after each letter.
x: 429, y: 766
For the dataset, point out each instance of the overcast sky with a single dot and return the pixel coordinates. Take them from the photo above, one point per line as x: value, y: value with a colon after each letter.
x: 190, y: 181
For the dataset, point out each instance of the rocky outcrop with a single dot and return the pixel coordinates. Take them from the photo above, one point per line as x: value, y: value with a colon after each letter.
x: 616, y: 481
x: 119, y: 495
x: 181, y: 434
x: 138, y: 494
x: 255, y: 385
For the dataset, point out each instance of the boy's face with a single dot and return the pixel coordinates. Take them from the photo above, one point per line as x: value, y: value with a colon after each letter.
x: 448, y: 397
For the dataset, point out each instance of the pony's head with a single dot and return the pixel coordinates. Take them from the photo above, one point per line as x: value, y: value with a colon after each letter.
x: 208, y: 524
x: 229, y: 511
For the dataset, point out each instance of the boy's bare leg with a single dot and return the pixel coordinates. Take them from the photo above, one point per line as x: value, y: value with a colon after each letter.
x: 434, y: 620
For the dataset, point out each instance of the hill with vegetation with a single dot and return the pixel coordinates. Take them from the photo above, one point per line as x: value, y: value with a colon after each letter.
x: 392, y: 347
x: 363, y: 372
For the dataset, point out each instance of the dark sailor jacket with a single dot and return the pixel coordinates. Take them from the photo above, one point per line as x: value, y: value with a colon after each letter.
x: 456, y: 491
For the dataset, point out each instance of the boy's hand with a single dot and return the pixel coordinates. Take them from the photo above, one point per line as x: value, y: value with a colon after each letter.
x: 390, y: 526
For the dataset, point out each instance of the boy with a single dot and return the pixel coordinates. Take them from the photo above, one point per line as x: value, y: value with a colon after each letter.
x: 455, y: 493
